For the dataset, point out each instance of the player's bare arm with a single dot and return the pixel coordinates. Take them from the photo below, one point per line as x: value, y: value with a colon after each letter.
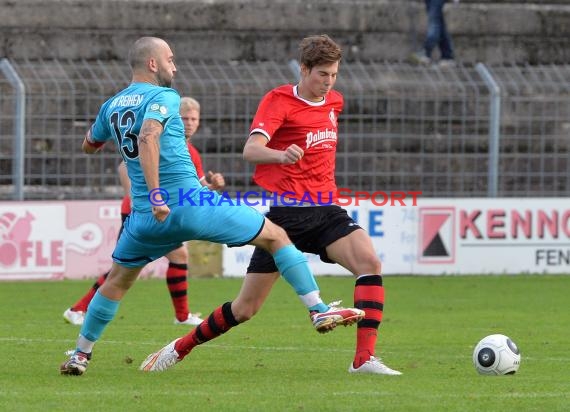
x: 90, y: 146
x: 257, y: 152
x: 149, y: 149
x: 124, y: 177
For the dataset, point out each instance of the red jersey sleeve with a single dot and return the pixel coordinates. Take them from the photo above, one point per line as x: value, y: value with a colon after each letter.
x: 197, y: 160
x: 270, y: 115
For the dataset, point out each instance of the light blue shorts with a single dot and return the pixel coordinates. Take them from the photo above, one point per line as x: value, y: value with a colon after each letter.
x: 145, y: 239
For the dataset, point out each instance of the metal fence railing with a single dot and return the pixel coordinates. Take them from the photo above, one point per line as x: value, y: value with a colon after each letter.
x: 403, y: 128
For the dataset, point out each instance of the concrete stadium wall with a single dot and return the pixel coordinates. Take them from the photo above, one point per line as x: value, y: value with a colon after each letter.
x: 493, y: 32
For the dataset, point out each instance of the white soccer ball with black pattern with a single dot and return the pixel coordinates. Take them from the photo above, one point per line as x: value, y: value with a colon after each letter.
x: 496, y: 355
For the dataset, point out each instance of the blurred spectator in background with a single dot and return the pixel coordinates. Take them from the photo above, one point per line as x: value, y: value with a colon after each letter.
x: 436, y: 36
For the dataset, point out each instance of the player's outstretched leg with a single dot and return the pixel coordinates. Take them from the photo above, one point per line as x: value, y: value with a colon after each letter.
x: 219, y: 322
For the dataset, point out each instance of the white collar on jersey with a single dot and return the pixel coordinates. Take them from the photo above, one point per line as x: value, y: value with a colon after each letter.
x: 296, y: 93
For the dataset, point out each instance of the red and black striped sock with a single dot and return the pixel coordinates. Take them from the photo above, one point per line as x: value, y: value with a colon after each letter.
x: 177, y: 282
x: 219, y: 322
x: 81, y: 304
x: 368, y: 296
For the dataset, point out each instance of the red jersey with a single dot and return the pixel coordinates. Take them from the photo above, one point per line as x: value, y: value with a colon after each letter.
x: 285, y: 118
x: 126, y: 205
x: 197, y: 160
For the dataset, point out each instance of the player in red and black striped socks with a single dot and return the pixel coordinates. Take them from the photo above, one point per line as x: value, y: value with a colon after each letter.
x: 218, y: 323
x: 176, y: 281
x: 292, y: 142
x: 368, y: 296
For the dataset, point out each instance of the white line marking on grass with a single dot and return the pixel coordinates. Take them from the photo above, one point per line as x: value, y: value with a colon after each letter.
x: 369, y: 394
x: 113, y: 393
x: 372, y: 394
x: 69, y: 342
x: 517, y: 395
x: 157, y: 344
x: 470, y: 396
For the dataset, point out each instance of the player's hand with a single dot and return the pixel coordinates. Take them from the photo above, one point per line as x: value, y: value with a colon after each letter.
x: 292, y: 155
x: 216, y: 180
x: 160, y: 212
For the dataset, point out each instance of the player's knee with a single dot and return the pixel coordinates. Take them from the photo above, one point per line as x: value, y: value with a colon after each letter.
x: 116, y: 287
x: 369, y: 264
x: 121, y: 278
x: 278, y: 233
x: 244, y: 312
x: 376, y: 265
x: 179, y: 256
x: 274, y: 237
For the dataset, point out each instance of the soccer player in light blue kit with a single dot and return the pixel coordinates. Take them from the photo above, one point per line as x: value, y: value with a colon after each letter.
x: 169, y: 208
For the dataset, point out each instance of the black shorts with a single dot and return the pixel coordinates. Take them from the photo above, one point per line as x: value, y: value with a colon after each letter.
x: 311, y: 229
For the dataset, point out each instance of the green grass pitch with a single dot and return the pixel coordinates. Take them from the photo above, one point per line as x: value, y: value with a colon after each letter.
x: 276, y: 362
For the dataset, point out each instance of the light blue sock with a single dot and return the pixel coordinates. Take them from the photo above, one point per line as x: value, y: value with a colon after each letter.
x: 294, y: 268
x: 100, y: 312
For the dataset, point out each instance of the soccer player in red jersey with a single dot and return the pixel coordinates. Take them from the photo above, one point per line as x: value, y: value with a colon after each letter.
x: 177, y: 272
x: 292, y: 142
x: 190, y: 113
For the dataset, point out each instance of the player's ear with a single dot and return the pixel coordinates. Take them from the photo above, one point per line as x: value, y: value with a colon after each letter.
x: 152, y: 65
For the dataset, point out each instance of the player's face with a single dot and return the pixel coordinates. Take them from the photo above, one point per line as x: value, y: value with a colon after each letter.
x: 165, y: 66
x: 191, y: 120
x: 318, y: 81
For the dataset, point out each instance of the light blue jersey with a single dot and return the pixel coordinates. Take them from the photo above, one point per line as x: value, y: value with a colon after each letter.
x: 196, y: 212
x: 121, y: 118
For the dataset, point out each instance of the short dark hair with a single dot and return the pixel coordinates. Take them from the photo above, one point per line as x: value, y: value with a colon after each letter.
x: 318, y: 49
